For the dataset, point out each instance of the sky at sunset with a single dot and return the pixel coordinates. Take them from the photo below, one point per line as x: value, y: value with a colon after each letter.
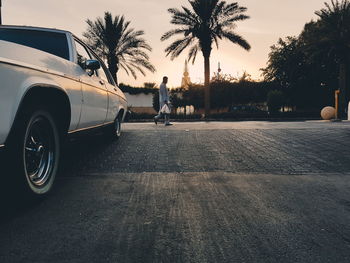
x: 270, y: 19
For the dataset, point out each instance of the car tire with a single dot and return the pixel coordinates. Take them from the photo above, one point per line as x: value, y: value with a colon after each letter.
x: 116, y: 128
x: 35, y: 150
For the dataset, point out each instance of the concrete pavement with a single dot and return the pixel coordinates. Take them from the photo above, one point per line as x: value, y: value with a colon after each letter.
x: 194, y: 192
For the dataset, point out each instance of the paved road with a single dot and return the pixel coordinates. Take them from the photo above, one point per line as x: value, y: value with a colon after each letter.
x: 194, y: 192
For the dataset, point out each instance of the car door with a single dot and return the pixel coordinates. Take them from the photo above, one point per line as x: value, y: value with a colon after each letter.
x: 112, y: 90
x: 94, y: 92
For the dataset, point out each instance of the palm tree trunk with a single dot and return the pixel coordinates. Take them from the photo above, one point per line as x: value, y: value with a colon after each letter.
x: 113, y: 70
x: 113, y: 67
x: 207, y: 85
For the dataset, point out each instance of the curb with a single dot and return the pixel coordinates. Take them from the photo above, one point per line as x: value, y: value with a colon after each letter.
x: 232, y: 120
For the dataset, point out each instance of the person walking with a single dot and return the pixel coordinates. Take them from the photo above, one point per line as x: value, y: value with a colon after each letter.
x: 163, y: 100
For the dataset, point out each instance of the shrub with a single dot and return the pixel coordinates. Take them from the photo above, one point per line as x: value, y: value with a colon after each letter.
x: 275, y: 100
x: 155, y: 102
x: 138, y: 90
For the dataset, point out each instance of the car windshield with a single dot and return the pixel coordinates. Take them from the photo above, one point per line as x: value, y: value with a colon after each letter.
x: 52, y: 42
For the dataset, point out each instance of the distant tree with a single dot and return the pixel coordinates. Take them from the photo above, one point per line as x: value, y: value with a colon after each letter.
x: 220, y: 77
x: 246, y: 77
x: 122, y: 46
x: 208, y: 22
x: 223, y: 78
x: 307, y: 80
x: 287, y: 66
x: 310, y: 67
x: 284, y: 59
x: 331, y: 36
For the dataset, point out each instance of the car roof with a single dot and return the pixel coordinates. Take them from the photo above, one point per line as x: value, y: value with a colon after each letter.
x: 35, y: 28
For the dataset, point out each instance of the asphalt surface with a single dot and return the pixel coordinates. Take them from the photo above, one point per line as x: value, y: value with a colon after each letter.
x: 193, y: 192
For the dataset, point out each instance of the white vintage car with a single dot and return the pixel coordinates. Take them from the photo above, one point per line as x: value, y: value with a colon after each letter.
x: 51, y: 85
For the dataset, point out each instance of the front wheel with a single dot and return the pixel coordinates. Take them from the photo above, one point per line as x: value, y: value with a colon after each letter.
x: 114, y: 131
x: 117, y: 127
x: 36, y: 149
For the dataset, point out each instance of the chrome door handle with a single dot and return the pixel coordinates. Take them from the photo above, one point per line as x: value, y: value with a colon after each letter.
x: 102, y: 82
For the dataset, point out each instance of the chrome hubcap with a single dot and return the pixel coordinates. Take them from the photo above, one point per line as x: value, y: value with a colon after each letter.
x: 39, y: 152
x: 117, y: 127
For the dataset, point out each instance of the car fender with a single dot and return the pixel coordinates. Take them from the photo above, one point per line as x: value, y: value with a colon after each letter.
x: 26, y: 86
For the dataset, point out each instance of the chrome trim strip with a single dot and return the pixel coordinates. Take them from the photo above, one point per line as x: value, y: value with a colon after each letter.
x: 124, y: 99
x: 2, y: 145
x: 92, y: 127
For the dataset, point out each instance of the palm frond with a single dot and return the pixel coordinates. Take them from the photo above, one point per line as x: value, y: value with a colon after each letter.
x: 206, y: 22
x: 192, y: 54
x: 173, y: 32
x: 237, y: 39
x: 113, y: 37
x: 176, y: 48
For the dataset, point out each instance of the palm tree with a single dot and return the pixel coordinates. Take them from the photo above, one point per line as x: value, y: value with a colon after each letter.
x: 120, y: 45
x: 208, y: 22
x: 334, y: 33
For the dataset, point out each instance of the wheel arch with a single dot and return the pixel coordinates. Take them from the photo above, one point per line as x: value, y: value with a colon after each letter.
x: 53, y: 97
x: 121, y: 113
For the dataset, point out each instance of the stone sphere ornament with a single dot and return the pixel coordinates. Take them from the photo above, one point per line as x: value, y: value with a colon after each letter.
x: 328, y: 113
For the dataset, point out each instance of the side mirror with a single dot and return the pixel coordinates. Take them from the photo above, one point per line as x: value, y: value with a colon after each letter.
x: 92, y: 64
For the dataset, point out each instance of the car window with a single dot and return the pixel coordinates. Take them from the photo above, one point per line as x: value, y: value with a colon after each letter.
x: 54, y: 43
x: 82, y: 54
x: 102, y: 72
x: 109, y: 75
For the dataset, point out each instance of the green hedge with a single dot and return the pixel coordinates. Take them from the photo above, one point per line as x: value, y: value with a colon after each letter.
x: 137, y: 90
